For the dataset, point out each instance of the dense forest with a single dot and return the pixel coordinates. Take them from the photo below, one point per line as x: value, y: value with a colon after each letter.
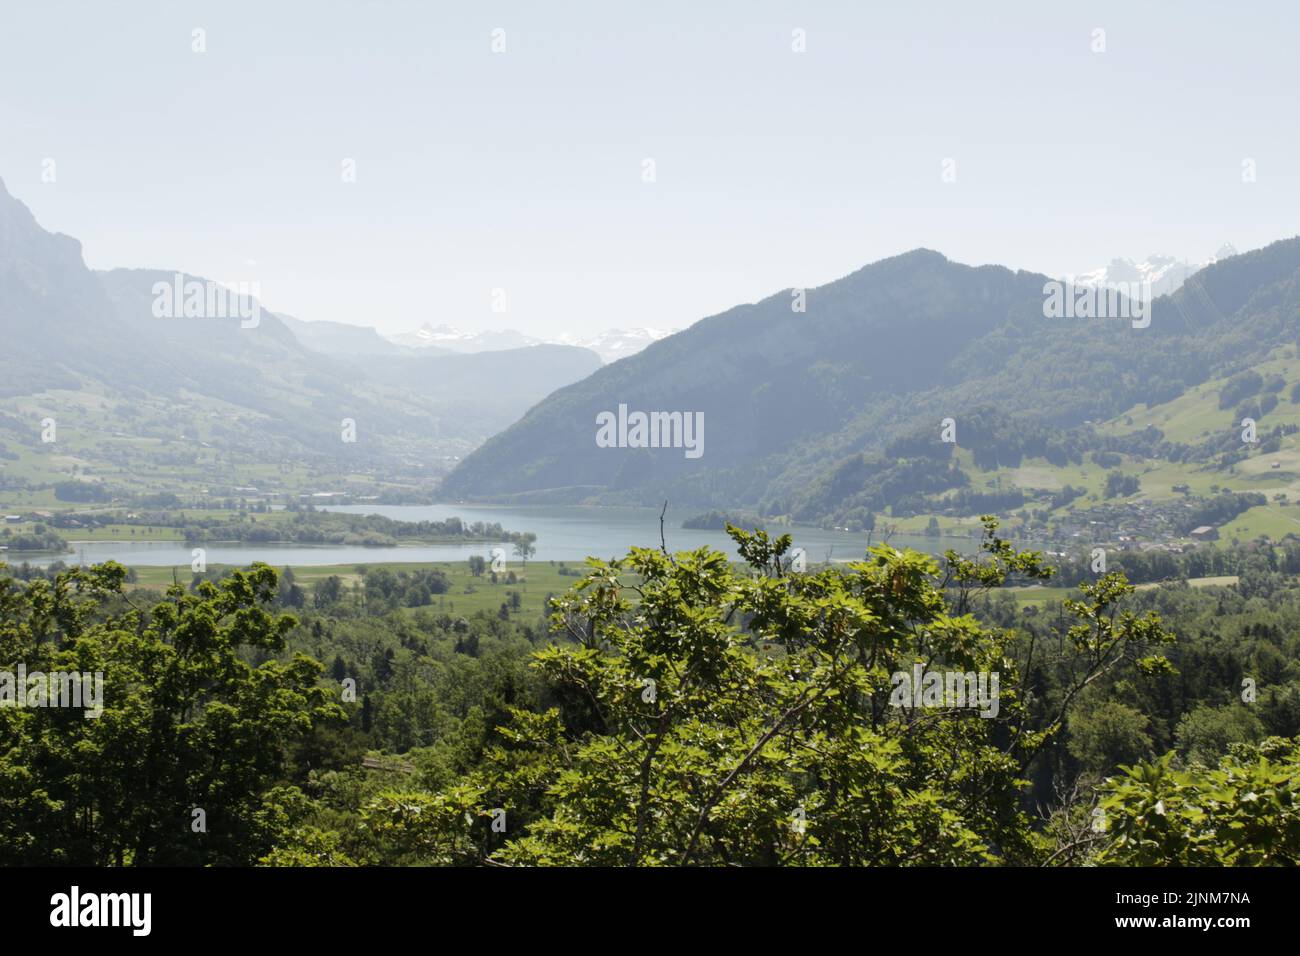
x: 672, y: 709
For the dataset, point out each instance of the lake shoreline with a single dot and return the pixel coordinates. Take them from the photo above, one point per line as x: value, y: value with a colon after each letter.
x: 567, y: 533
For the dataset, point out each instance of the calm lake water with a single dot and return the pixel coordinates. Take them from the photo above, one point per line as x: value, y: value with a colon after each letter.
x: 564, y: 533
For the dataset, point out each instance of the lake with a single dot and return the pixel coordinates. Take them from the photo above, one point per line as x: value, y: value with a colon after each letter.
x: 564, y: 533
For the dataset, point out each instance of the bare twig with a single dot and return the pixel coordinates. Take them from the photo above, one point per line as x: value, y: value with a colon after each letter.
x: 663, y: 543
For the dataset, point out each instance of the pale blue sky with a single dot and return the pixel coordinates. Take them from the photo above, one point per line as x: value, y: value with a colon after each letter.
x: 522, y: 170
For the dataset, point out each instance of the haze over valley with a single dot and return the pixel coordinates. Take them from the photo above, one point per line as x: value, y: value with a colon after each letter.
x: 683, y: 436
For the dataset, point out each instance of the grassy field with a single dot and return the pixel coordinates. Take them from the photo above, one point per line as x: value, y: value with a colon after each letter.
x: 1039, y: 475
x: 1194, y: 415
x: 133, y: 531
x: 1274, y: 520
x: 1191, y: 418
x: 183, y: 444
x: 468, y: 594
x: 111, y: 532
x: 1049, y: 596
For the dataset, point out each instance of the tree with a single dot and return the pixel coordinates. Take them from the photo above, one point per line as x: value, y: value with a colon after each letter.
x: 1206, y: 733
x: 1243, y: 812
x: 188, y: 723
x: 711, y: 716
x: 1106, y: 733
x: 1121, y: 485
x: 328, y: 591
x: 288, y: 591
x: 524, y: 546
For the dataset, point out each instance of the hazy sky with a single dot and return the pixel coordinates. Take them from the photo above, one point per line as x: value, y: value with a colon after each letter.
x: 523, y: 170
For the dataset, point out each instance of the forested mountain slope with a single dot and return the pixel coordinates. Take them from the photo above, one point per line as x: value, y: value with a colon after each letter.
x: 92, y: 351
x: 879, y: 357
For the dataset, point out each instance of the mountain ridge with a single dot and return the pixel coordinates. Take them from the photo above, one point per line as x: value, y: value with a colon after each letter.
x: 112, y: 361
x: 787, y: 397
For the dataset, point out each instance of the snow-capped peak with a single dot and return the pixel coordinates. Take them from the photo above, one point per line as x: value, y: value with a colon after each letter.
x: 434, y: 334
x: 1165, y: 273
x: 610, y: 345
x: 457, y: 340
x: 614, y: 344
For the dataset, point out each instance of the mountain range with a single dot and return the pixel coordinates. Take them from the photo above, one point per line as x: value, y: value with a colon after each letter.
x: 1165, y: 274
x: 611, y: 344
x: 126, y: 380
x: 829, y: 405
x: 835, y: 412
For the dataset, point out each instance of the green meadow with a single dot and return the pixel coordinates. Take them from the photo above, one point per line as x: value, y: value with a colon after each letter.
x: 468, y: 594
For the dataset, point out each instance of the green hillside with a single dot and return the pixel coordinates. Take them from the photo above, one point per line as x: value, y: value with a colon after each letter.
x: 1196, y: 418
x: 144, y: 403
x: 834, y: 415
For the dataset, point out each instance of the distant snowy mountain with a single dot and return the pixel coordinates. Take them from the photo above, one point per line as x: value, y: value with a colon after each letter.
x: 614, y: 344
x: 450, y: 337
x: 1165, y: 273
x: 610, y: 345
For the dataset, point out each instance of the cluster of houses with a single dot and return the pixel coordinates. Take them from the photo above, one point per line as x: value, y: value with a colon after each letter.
x: 1136, y: 525
x: 45, y: 516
